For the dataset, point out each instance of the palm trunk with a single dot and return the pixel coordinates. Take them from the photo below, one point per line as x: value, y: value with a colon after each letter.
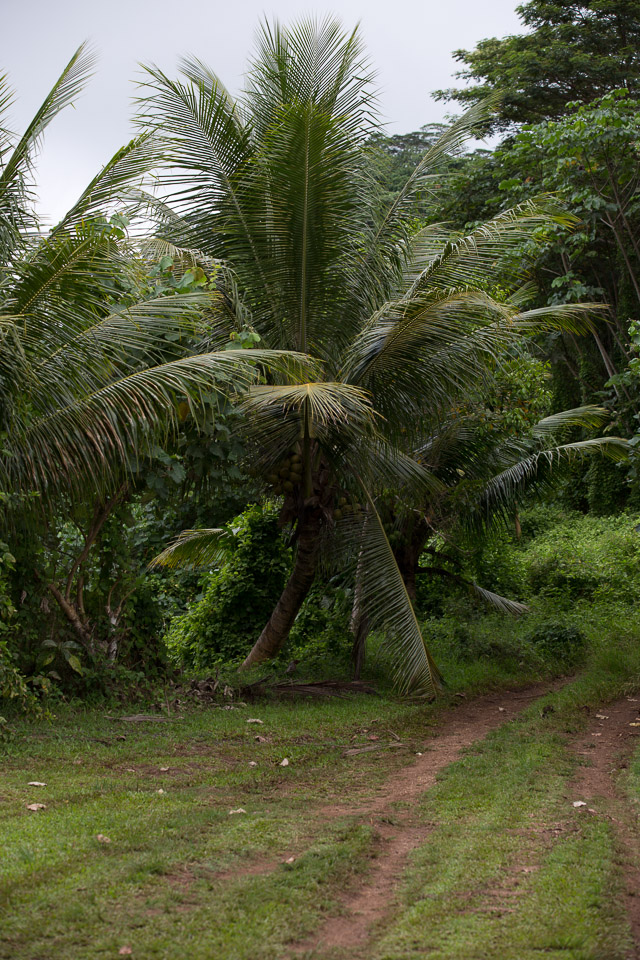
x: 359, y: 625
x: 360, y: 633
x: 277, y: 630
x: 408, y: 553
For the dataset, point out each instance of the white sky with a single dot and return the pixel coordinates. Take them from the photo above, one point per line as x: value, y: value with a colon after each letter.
x: 409, y: 42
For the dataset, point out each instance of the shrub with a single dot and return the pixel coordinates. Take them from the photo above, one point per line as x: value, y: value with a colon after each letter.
x: 16, y: 695
x: 237, y: 599
x: 320, y: 635
x: 558, y: 643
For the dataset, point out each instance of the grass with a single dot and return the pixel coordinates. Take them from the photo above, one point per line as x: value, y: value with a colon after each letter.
x: 182, y: 877
x: 158, y: 880
x: 511, y: 870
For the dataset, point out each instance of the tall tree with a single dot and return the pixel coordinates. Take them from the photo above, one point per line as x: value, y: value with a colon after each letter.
x: 93, y: 367
x: 282, y: 187
x: 572, y: 50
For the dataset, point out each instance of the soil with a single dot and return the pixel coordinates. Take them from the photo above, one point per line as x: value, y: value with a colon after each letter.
x: 606, y: 747
x: 398, y: 834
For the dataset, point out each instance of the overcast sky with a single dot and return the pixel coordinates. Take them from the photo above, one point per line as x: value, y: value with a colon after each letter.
x: 410, y: 44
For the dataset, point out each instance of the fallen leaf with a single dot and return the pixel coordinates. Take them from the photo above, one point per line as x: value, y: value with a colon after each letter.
x: 502, y: 709
x: 290, y: 860
x: 160, y: 791
x: 261, y: 739
x: 36, y: 806
x: 239, y: 810
x: 252, y: 763
x: 591, y: 810
x: 284, y: 763
x: 77, y: 762
x: 418, y: 754
x: 372, y: 736
x: 634, y: 724
x: 163, y: 769
x: 36, y: 783
x: 253, y: 720
x: 102, y: 839
x: 579, y: 803
x: 125, y: 951
x: 601, y: 716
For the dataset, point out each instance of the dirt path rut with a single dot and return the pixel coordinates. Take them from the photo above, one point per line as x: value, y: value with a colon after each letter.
x: 607, y: 746
x: 390, y: 811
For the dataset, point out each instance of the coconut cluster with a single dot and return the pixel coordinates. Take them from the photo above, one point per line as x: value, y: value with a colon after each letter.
x: 287, y: 475
x: 346, y: 505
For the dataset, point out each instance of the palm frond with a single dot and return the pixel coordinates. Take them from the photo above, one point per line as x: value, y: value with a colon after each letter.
x: 385, y: 601
x: 386, y: 248
x: 443, y: 343
x: 445, y: 260
x: 194, y: 550
x: 119, y: 179
x: 537, y: 472
x: 495, y: 600
x: 65, y: 90
x: 328, y: 403
x: 588, y: 416
x: 91, y: 439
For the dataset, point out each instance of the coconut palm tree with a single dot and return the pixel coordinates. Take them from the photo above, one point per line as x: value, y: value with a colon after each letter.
x: 87, y: 373
x: 279, y: 185
x: 94, y: 369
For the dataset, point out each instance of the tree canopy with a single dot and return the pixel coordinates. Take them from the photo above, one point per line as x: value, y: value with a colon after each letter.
x: 570, y: 51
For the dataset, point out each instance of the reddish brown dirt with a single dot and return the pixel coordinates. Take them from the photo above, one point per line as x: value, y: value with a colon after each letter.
x: 606, y: 747
x: 398, y: 833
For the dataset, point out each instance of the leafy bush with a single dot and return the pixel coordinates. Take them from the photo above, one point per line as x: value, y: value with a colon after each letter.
x: 320, y: 635
x: 565, y: 557
x: 585, y: 558
x: 16, y: 695
x: 558, y: 643
x: 237, y: 599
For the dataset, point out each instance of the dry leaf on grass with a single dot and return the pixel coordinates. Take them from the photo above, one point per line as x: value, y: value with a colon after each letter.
x: 261, y: 739
x: 284, y: 763
x: 163, y: 769
x: 579, y: 803
x: 252, y: 763
x: 102, y: 839
x: 253, y: 720
x: 36, y: 806
x: 125, y: 951
x: 36, y: 783
x: 239, y: 810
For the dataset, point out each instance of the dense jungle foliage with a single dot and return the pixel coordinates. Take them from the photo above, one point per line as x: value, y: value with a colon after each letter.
x: 353, y: 402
